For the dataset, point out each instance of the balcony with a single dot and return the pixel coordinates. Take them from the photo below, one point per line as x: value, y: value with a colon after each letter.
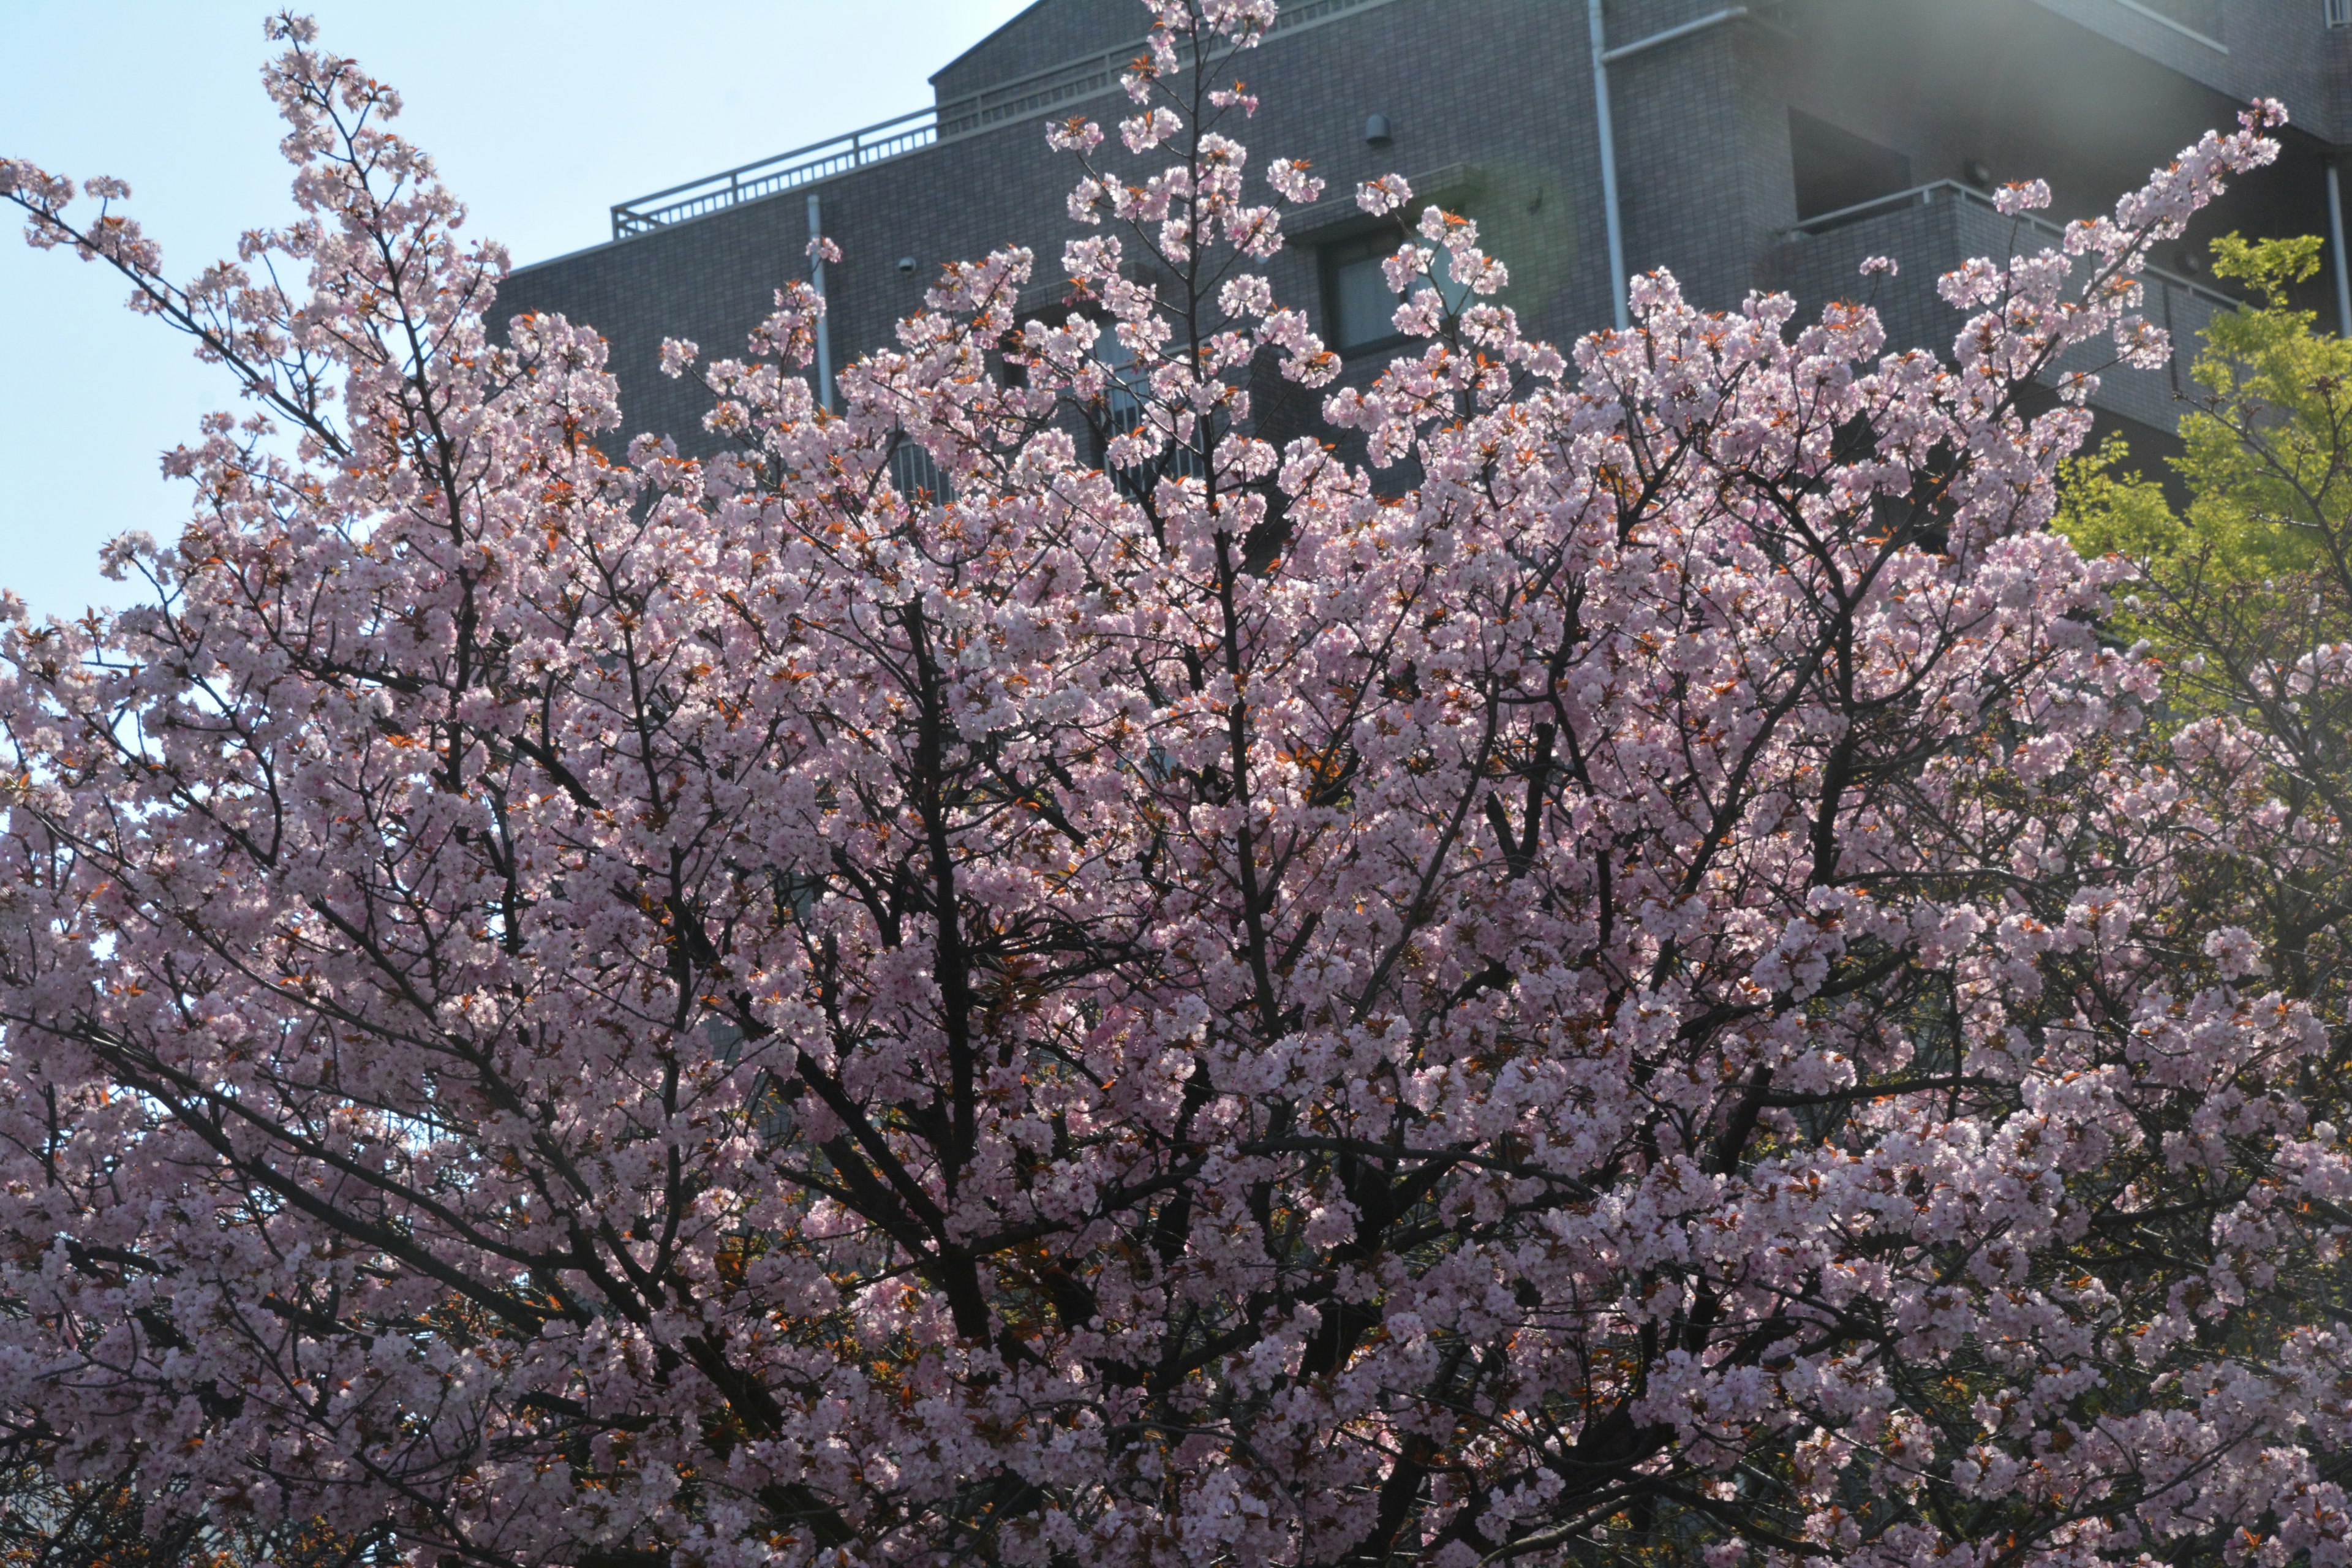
x: 1930, y: 230
x: 949, y: 120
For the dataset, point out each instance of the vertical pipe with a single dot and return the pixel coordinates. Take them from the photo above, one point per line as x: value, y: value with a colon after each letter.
x: 816, y: 282
x: 1609, y: 165
x: 2336, y: 249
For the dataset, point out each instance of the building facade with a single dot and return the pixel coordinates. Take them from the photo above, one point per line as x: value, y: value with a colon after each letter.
x: 1768, y: 144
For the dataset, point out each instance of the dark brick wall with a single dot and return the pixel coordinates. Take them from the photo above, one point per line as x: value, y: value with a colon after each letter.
x: 1701, y: 180
x: 1039, y: 37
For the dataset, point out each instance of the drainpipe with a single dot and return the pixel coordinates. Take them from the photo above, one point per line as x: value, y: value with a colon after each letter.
x: 823, y: 337
x: 1609, y: 163
x: 1601, y: 55
x: 2336, y: 250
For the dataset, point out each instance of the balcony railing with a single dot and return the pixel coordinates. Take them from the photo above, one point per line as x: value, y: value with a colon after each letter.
x: 801, y: 166
x: 1930, y: 229
x: 1953, y: 191
x: 963, y: 115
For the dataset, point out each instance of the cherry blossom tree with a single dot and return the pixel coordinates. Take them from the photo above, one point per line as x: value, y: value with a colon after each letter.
x: 1609, y: 977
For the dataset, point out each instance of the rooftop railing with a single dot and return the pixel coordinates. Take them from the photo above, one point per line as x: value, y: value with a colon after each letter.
x: 801, y: 166
x: 1953, y: 191
x: 963, y: 115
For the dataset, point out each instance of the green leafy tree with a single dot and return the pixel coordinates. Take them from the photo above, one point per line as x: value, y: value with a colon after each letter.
x: 2245, y: 597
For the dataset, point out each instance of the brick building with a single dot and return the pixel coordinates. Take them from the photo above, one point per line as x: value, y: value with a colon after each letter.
x: 1769, y: 144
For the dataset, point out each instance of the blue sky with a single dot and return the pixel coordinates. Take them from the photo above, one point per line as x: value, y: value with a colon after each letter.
x: 541, y: 114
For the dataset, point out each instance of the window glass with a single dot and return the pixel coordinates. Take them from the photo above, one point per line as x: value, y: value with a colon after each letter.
x: 1362, y: 308
x: 1129, y: 385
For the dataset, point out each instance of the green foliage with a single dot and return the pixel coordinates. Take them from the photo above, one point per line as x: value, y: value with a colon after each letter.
x: 2265, y: 466
x: 2243, y: 590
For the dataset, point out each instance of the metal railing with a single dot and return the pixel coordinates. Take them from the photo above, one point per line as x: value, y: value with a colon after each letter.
x: 1968, y: 196
x: 963, y: 115
x: 801, y: 166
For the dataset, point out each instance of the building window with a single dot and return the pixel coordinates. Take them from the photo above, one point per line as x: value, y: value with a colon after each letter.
x: 1836, y: 170
x: 2338, y: 13
x: 918, y: 477
x: 1357, y: 300
x: 1125, y: 408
